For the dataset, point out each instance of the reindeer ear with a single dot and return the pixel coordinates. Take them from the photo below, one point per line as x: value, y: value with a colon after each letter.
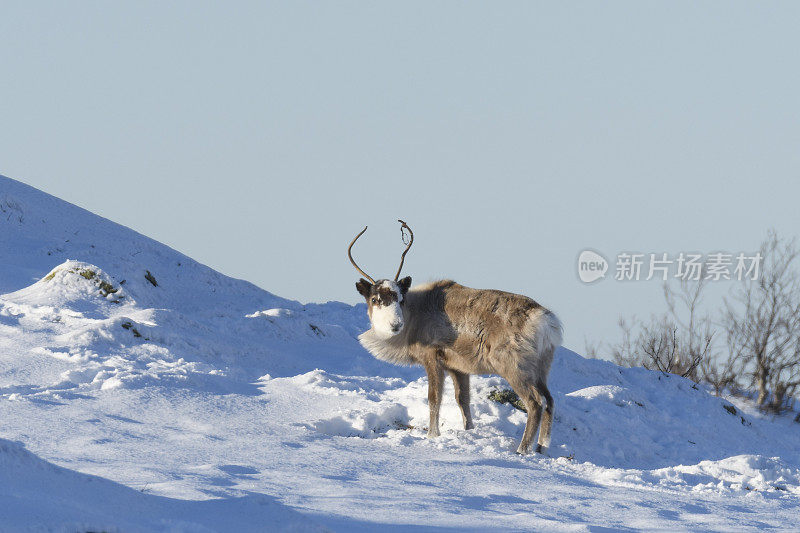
x: 363, y: 287
x: 404, y: 284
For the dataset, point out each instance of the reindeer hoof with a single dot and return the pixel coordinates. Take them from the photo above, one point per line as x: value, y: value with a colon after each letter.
x: 541, y: 449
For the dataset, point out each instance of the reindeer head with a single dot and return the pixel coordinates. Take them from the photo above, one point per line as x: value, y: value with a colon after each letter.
x: 385, y: 298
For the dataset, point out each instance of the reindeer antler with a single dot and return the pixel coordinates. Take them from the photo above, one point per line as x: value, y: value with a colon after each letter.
x: 410, y: 242
x: 351, y: 256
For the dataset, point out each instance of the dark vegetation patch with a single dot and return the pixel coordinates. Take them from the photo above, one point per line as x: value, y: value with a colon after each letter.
x: 151, y: 278
x: 507, y: 396
x: 129, y: 326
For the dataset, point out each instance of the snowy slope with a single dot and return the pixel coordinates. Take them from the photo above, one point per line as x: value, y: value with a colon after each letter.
x: 200, y: 396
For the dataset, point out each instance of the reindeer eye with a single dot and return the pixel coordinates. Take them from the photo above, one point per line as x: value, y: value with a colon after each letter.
x: 374, y: 300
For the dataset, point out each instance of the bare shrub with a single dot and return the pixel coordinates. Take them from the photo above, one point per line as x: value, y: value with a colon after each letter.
x: 762, y: 322
x: 677, y: 342
x: 591, y: 348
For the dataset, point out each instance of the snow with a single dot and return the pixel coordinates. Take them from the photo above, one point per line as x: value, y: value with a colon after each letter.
x: 204, y: 403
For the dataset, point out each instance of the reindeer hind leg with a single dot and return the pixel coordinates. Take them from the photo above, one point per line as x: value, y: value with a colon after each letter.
x: 547, y: 420
x: 533, y: 403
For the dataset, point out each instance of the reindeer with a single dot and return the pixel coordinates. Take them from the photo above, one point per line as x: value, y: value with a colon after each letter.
x: 446, y: 327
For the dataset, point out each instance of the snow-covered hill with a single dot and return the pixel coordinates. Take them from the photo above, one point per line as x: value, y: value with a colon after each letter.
x: 207, y: 403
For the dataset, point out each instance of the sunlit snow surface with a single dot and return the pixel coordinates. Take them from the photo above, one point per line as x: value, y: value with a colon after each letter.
x: 204, y: 403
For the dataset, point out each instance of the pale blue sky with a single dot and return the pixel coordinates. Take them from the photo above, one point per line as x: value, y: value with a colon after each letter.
x: 259, y: 138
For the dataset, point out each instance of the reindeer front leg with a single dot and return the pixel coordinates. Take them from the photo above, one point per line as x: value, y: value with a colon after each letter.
x: 435, y: 373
